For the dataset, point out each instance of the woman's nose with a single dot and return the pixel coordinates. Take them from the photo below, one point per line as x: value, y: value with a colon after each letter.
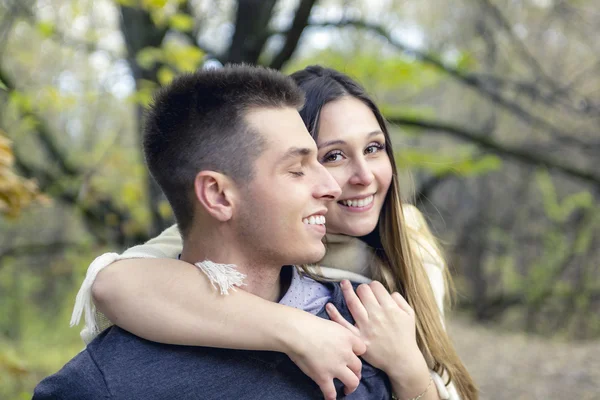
x: 361, y: 173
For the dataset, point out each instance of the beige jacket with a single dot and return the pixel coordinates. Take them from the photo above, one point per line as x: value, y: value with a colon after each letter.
x: 347, y: 258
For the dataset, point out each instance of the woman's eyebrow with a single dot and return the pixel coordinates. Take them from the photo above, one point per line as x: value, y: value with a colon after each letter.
x: 375, y: 133
x: 332, y: 142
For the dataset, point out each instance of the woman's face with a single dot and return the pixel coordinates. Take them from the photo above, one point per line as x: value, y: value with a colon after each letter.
x: 352, y: 148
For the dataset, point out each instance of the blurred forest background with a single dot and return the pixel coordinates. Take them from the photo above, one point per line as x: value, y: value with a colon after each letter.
x: 495, y: 107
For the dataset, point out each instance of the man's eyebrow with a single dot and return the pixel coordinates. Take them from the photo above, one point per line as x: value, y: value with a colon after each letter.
x: 296, y: 152
x: 332, y: 142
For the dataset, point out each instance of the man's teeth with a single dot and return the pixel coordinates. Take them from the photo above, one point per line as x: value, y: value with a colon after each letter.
x: 315, y: 220
x: 358, y: 203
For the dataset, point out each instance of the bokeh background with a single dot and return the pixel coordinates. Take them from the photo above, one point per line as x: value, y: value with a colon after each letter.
x: 495, y: 108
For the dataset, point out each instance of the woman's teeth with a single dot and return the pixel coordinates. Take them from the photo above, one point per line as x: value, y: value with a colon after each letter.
x: 358, y: 203
x: 315, y: 220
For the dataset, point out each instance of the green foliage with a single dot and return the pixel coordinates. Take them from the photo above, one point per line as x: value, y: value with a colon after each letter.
x: 382, y: 75
x: 180, y: 57
x: 181, y: 22
x: 560, y: 211
x: 438, y: 164
x: 35, y: 308
x: 46, y: 28
x: 143, y: 95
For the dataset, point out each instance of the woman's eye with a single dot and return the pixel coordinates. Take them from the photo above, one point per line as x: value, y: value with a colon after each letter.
x: 374, y: 148
x: 332, y: 157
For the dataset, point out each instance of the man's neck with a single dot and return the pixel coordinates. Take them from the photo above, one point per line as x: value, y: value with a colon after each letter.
x: 262, y: 279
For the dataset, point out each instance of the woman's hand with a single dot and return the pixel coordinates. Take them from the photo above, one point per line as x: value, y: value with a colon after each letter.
x: 324, y: 350
x: 386, y: 324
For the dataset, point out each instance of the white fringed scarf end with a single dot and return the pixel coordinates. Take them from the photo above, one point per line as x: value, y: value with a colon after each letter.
x: 222, y: 276
x: 84, y: 303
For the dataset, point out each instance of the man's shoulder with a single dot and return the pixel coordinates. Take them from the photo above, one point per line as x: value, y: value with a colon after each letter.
x: 137, y: 368
x: 80, y: 378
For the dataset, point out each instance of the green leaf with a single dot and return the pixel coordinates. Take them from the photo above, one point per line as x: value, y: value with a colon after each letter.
x: 145, y: 92
x: 3, y: 86
x: 181, y: 22
x: 183, y: 58
x: 148, y: 57
x: 165, y: 75
x: 155, y: 4
x: 465, y: 62
x: 557, y: 211
x: 46, y: 28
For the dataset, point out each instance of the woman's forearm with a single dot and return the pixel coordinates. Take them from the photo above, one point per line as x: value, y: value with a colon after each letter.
x: 171, y: 301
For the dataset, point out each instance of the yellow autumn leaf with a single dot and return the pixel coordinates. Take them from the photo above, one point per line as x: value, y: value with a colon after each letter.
x: 15, y: 191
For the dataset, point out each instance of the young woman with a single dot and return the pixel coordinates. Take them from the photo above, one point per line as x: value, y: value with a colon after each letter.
x: 370, y: 236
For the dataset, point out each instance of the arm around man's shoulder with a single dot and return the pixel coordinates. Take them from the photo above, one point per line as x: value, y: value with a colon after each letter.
x: 79, y: 379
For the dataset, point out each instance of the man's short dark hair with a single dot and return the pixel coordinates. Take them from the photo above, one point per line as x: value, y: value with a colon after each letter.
x: 197, y: 123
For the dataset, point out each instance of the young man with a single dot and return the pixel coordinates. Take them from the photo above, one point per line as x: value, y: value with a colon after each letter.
x: 240, y: 171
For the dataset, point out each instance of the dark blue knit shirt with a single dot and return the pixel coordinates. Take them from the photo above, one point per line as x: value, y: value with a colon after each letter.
x: 120, y: 365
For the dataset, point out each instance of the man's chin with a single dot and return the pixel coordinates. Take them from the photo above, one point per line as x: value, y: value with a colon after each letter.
x: 313, y: 256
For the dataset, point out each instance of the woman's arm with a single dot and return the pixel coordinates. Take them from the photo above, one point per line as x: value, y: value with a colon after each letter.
x: 171, y: 301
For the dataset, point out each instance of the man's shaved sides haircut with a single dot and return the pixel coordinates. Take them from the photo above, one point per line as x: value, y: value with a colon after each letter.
x: 198, y: 123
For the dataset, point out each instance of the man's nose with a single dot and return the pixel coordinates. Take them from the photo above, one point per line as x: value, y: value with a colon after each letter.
x: 327, y: 188
x: 361, y: 173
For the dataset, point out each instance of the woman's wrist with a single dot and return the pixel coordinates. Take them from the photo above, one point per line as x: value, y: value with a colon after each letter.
x: 285, y: 329
x: 411, y: 379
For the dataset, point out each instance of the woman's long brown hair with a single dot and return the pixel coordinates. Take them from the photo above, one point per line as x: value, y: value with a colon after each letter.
x: 395, y: 244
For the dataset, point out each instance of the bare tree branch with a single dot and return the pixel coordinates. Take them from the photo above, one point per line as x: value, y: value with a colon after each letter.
x: 293, y: 34
x: 538, y: 71
x: 425, y: 191
x: 487, y: 143
x: 469, y: 80
x: 43, y: 133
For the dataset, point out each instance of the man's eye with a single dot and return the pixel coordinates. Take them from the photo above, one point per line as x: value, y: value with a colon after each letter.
x: 297, y: 173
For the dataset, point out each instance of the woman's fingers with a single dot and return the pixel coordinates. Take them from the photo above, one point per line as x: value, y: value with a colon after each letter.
x: 402, y: 303
x: 328, y: 390
x: 355, y: 305
x: 350, y: 381
x: 335, y: 316
x: 382, y: 295
x: 355, y: 366
x: 367, y: 298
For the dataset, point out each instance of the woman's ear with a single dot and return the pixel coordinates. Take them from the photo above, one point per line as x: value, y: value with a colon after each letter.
x: 214, y: 191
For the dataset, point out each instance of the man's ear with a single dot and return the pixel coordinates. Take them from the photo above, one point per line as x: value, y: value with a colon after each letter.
x: 215, y: 192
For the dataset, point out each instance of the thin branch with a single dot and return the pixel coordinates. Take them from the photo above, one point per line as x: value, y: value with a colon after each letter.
x: 467, y: 79
x: 500, y: 149
x: 426, y: 189
x: 43, y: 133
x: 534, y: 64
x: 293, y: 34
